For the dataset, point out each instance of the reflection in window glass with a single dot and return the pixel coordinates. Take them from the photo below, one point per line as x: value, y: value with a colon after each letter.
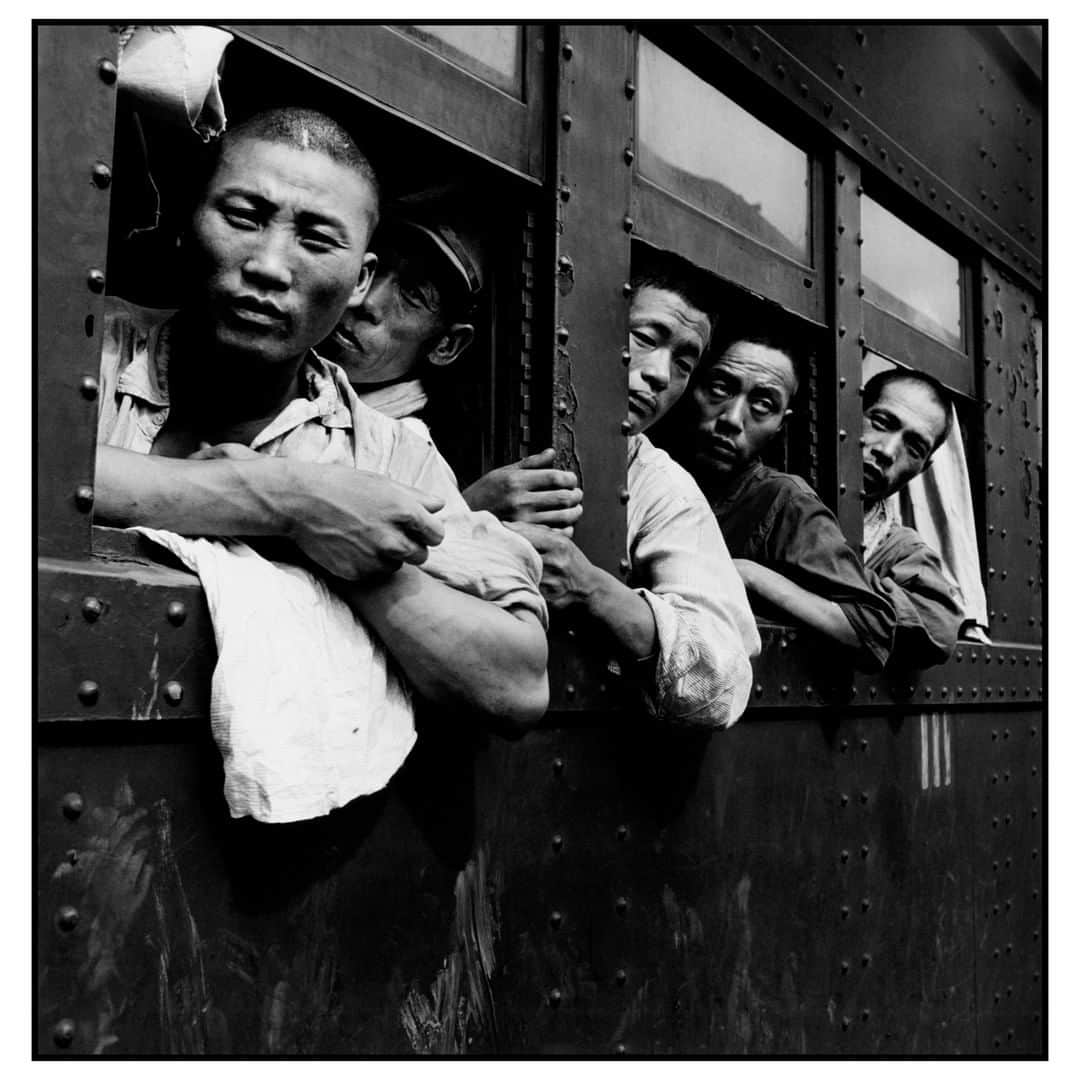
x: 698, y: 144
x: 492, y: 52
x: 908, y: 276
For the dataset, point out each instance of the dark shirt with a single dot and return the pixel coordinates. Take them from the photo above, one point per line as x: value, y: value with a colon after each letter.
x: 778, y: 520
x: 928, y: 617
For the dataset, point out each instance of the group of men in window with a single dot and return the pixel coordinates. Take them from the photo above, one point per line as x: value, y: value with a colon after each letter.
x: 285, y: 400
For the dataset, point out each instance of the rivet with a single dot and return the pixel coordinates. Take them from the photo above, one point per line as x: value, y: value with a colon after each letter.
x: 759, y: 689
x: 839, y: 71
x: 567, y: 50
x: 565, y: 263
x: 864, y: 797
x: 555, y: 918
x: 101, y: 174
x: 621, y: 904
x: 107, y: 72
x: 84, y: 497
x: 88, y: 387
x: 571, y: 690
x: 620, y: 1049
x: 176, y: 612
x: 844, y: 800
x: 865, y: 1015
x: 865, y: 904
x: 625, y: 355
x: 779, y: 69
x: 562, y: 335
x: 72, y: 805
x: 840, y: 228
x: 809, y: 691
x: 804, y: 89
x: 625, y: 427
x: 843, y: 746
x: 95, y: 281
x: 557, y: 842
x: 628, y: 156
x: 843, y: 382
x: 845, y: 911
x: 845, y: 1023
x: 554, y: 998
x: 561, y: 407
x: 67, y: 918
x: 627, y: 289
x: 88, y: 692
x: 784, y: 690
x: 174, y: 692
x: 564, y: 193
x: 567, y: 121
x: 558, y: 765
x: 864, y: 851
x: 63, y: 1031
x: 630, y: 89
x: 628, y: 224
x: 845, y: 855
x: 620, y: 977
x: 92, y: 608
x: 624, y: 565
x: 843, y: 489
x: 840, y: 279
x: 841, y: 331
x: 755, y: 52
x: 843, y: 434
x: 844, y: 966
x: 622, y: 832
x: 624, y: 496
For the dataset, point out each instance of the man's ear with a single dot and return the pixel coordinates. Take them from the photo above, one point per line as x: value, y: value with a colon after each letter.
x: 363, y: 282
x: 452, y: 344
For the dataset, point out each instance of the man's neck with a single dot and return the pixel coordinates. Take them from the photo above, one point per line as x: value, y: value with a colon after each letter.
x: 228, y: 396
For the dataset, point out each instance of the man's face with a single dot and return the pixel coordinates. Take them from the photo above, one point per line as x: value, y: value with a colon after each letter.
x: 900, y: 431
x: 668, y: 336
x: 741, y: 402
x: 386, y: 335
x: 281, y: 240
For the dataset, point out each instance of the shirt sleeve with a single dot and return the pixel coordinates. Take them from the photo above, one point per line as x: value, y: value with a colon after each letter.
x: 478, y: 555
x: 928, y: 615
x: 706, y: 632
x: 805, y: 543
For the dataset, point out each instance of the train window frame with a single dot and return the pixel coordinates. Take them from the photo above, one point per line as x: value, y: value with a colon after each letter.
x: 665, y: 220
x: 393, y: 71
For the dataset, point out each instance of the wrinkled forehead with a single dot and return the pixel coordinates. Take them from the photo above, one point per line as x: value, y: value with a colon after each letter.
x: 756, y: 367
x: 915, y: 405
x: 653, y: 304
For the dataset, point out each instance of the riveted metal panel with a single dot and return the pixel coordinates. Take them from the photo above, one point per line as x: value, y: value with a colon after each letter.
x: 76, y: 103
x: 838, y: 391
x: 702, y: 895
x: 800, y: 62
x: 122, y: 641
x: 945, y: 95
x: 593, y: 128
x: 1005, y: 756
x: 1014, y: 405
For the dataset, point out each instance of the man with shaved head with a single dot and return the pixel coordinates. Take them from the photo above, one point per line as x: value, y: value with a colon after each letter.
x: 221, y: 419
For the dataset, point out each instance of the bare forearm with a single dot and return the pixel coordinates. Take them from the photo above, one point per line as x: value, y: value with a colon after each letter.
x: 218, y: 498
x: 820, y: 614
x: 458, y: 648
x: 627, y: 617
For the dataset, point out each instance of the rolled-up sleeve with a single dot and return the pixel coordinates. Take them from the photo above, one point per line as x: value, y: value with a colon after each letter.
x: 681, y: 567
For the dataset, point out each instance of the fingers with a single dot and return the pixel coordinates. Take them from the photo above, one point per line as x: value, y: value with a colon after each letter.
x: 547, y: 479
x: 556, y: 519
x: 560, y: 499
x: 540, y: 536
x: 424, y: 529
x: 538, y: 461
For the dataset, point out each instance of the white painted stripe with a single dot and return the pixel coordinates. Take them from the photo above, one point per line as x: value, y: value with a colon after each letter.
x: 947, y: 740
x: 922, y: 749
x: 935, y: 721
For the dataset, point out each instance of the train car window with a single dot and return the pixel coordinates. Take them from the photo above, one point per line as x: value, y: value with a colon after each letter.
x: 473, y: 404
x: 907, y: 275
x: 698, y: 144
x: 494, y: 53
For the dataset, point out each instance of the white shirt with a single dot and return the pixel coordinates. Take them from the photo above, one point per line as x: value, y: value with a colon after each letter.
x: 681, y: 567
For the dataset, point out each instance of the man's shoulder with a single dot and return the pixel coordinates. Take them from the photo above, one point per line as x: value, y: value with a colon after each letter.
x: 776, y: 486
x: 123, y: 313
x: 657, y: 467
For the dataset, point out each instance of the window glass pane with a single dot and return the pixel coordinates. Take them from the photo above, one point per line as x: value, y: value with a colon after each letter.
x: 698, y: 144
x: 908, y: 276
x: 491, y: 52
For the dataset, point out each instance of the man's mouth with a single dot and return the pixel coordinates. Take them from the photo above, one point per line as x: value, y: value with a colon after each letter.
x: 256, y: 312
x: 346, y: 341
x: 873, y: 477
x: 722, y: 449
x: 642, y: 404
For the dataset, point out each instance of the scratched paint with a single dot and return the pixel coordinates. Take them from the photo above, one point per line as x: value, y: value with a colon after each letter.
x: 460, y: 1007
x: 146, y: 705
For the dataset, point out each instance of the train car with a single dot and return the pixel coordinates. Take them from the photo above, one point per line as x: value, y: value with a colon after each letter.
x: 855, y: 868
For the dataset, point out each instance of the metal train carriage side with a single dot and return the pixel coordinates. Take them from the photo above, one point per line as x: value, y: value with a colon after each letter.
x: 857, y: 867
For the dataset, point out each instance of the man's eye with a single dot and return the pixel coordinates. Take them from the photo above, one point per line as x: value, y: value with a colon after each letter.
x: 240, y: 217
x: 646, y: 341
x: 762, y: 407
x: 686, y: 364
x: 315, y: 241
x: 877, y: 421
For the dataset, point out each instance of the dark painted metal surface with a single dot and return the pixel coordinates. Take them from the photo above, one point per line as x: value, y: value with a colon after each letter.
x: 802, y: 64
x: 1014, y: 403
x: 841, y: 376
x: 805, y: 883
x: 76, y: 102
x: 593, y: 128
x: 389, y: 68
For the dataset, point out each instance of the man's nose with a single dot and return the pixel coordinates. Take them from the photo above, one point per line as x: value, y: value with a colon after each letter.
x: 269, y: 263
x: 656, y: 370
x: 729, y: 416
x: 886, y: 448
